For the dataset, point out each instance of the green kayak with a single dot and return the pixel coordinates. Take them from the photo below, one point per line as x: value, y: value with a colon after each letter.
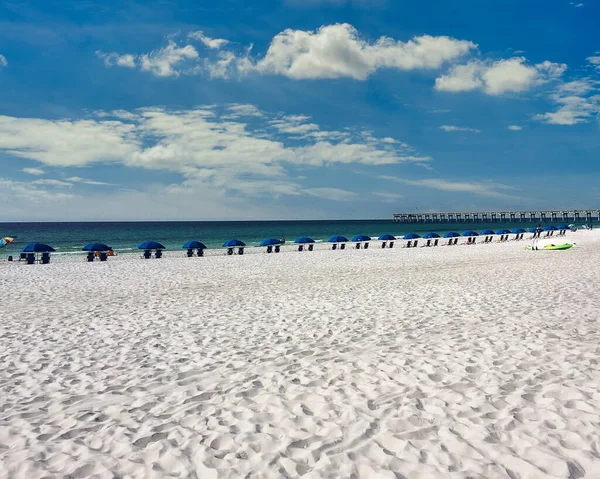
x: 558, y: 246
x: 550, y: 246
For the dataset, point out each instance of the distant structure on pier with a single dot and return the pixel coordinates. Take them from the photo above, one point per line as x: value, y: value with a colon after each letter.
x: 564, y: 216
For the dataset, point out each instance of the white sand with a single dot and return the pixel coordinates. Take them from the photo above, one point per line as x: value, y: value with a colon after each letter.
x: 468, y: 361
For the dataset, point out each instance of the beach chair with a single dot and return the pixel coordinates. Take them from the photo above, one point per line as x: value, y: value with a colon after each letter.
x: 366, y: 246
x: 277, y: 248
x: 269, y: 249
x: 415, y: 243
x: 229, y: 251
x: 158, y: 253
x: 30, y: 258
x: 190, y: 252
x: 311, y: 247
x: 391, y: 244
x: 200, y: 252
x: 435, y: 242
x: 23, y: 256
x: 301, y: 248
x: 428, y: 243
x: 103, y: 256
x: 90, y: 256
x: 383, y: 244
x: 240, y: 250
x: 357, y: 246
x: 147, y: 254
x: 45, y: 258
x: 334, y: 246
x: 343, y: 246
x: 409, y: 244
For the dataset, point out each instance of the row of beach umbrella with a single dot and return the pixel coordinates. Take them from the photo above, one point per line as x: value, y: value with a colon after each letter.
x: 235, y: 243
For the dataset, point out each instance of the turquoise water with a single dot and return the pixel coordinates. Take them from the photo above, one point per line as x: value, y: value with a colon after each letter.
x: 125, y: 236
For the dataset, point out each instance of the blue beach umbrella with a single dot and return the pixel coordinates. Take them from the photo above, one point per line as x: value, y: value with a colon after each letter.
x: 431, y: 235
x: 386, y: 237
x: 549, y: 228
x: 233, y: 243
x: 96, y: 247
x: 269, y: 242
x: 562, y: 227
x: 304, y: 240
x: 38, y: 248
x: 410, y: 236
x: 337, y: 239
x: 517, y: 231
x: 451, y: 234
x: 470, y: 233
x: 503, y: 232
x: 194, y: 245
x: 487, y: 232
x: 361, y: 238
x: 150, y: 245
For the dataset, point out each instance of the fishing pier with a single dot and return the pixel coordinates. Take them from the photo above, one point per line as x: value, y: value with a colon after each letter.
x: 551, y: 216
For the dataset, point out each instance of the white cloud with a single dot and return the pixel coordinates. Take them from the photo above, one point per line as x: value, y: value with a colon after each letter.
x: 33, y: 171
x: 164, y: 62
x: 336, y: 51
x: 77, y: 179
x: 214, y: 43
x: 67, y: 143
x: 459, y: 128
x: 114, y: 59
x: 333, y: 51
x: 577, y: 101
x: 238, y: 110
x: 3, y: 61
x: 204, y: 145
x: 515, y: 127
x: 486, y: 188
x: 595, y: 61
x: 576, y: 5
x: 503, y: 76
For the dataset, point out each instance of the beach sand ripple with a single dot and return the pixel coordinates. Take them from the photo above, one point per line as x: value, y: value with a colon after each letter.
x: 473, y: 361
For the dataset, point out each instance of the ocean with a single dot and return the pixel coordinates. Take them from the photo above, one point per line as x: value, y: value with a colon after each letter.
x: 125, y: 236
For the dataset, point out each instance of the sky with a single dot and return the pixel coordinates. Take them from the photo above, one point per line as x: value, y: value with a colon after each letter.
x: 296, y: 109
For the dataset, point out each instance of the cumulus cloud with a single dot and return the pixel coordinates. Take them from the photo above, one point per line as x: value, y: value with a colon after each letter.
x: 255, y: 153
x: 3, y: 61
x: 577, y: 101
x: 459, y: 128
x: 336, y: 51
x: 495, y: 78
x: 515, y: 127
x: 332, y: 51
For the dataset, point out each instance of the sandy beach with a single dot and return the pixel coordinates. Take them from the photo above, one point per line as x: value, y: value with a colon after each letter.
x: 450, y: 362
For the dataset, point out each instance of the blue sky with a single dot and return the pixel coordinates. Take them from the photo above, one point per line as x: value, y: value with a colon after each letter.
x: 296, y: 109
